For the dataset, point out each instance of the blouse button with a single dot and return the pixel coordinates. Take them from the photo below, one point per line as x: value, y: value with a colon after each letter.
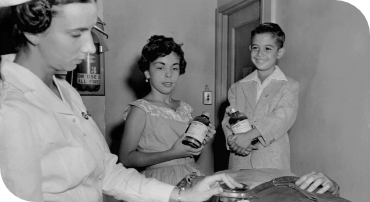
x: 74, y: 120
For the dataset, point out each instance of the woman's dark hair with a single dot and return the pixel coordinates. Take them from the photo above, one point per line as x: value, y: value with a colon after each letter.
x: 35, y: 17
x: 160, y: 46
x: 273, y: 29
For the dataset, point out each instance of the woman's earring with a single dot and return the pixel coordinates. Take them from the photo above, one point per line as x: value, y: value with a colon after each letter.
x: 146, y: 80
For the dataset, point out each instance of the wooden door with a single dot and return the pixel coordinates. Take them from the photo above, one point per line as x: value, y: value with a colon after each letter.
x: 241, y: 23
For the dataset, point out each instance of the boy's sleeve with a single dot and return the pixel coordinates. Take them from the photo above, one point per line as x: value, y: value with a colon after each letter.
x: 275, y: 124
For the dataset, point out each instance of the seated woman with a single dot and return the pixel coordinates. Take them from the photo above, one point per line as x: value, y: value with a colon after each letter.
x: 155, y: 125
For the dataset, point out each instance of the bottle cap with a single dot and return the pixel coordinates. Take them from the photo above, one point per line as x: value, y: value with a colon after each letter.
x: 205, y: 114
x: 232, y: 110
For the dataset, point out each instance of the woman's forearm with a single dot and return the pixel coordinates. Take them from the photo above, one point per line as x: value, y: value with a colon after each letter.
x: 136, y: 159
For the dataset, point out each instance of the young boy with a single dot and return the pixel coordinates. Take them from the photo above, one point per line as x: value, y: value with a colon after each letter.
x: 270, y: 101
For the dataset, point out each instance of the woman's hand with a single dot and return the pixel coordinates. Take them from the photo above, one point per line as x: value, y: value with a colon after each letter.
x: 208, y: 187
x: 210, y: 134
x: 313, y: 180
x: 180, y: 150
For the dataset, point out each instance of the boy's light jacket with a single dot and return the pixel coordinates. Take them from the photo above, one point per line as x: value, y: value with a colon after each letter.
x: 273, y: 116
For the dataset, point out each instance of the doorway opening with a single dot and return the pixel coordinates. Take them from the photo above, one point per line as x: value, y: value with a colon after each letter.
x: 234, y: 23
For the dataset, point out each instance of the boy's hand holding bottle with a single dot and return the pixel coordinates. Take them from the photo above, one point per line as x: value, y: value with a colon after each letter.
x: 243, y: 143
x: 244, y: 136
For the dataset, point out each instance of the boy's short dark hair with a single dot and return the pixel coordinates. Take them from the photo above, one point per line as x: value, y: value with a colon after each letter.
x: 272, y: 28
x: 160, y: 46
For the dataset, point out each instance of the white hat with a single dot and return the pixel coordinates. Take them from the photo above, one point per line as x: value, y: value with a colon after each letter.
x: 4, y: 3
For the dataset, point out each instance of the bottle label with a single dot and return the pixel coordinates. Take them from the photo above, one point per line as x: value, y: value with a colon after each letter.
x: 197, y: 130
x: 241, y: 127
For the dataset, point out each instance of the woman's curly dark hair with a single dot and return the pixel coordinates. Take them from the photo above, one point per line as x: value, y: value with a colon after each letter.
x: 160, y: 46
x: 35, y: 17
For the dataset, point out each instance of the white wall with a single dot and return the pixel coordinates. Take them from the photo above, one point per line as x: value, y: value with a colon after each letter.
x: 327, y: 51
x: 221, y: 3
x: 129, y: 25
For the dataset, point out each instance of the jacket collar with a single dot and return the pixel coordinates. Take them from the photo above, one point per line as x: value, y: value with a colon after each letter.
x: 250, y: 89
x: 31, y: 85
x: 269, y: 93
x: 250, y: 92
x: 276, y: 75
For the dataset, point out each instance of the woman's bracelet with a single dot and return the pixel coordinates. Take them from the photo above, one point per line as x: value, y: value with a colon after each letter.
x: 179, y: 195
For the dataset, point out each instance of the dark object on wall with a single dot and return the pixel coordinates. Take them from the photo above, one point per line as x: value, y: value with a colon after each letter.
x: 88, y: 77
x: 7, y: 44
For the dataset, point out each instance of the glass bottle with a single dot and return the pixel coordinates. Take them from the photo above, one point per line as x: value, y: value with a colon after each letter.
x: 197, y: 130
x: 239, y: 123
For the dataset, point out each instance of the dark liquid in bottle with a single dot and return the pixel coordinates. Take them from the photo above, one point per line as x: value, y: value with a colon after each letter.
x: 196, y: 131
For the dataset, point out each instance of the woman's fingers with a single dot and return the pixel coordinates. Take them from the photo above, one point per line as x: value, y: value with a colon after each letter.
x: 210, y: 134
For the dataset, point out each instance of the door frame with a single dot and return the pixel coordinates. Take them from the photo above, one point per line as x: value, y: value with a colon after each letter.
x: 267, y: 13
